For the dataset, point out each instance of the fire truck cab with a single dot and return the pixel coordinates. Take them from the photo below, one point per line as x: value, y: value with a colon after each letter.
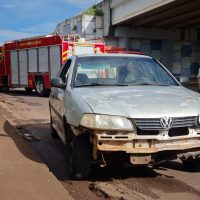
x: 32, y: 62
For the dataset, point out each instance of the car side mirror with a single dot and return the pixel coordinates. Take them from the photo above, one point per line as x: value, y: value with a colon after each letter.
x: 58, y: 83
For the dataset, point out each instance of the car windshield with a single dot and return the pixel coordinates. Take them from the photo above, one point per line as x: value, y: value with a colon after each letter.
x: 122, y: 71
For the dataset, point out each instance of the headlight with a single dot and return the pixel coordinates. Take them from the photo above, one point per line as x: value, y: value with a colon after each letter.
x: 198, y: 121
x: 106, y: 122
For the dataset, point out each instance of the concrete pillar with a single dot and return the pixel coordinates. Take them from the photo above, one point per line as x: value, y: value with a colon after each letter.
x: 111, y: 41
x: 107, y: 22
x: 124, y: 42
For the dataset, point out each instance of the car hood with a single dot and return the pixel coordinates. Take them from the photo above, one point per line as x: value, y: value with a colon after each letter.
x: 142, y: 101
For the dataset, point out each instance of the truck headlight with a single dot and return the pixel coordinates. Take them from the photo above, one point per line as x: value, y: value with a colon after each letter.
x: 106, y: 122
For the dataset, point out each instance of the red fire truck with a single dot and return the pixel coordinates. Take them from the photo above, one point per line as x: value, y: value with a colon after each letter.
x: 32, y: 62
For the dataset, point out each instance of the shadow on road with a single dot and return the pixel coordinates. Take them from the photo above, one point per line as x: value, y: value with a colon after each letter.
x: 21, y: 93
x: 20, y: 142
x: 52, y: 153
x: 109, y: 173
x: 178, y: 166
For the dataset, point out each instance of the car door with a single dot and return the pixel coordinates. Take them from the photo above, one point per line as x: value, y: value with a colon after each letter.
x: 54, y: 110
x: 58, y: 96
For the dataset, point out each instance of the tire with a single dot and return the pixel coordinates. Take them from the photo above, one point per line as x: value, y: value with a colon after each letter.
x: 78, y: 157
x: 5, y: 89
x: 28, y: 90
x: 40, y: 87
x: 192, y: 164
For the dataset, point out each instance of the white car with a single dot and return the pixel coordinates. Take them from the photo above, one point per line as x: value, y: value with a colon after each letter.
x: 122, y: 107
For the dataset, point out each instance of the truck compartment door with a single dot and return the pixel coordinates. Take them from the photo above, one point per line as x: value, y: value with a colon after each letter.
x: 14, y: 68
x: 55, y: 61
x: 32, y: 55
x: 43, y: 59
x: 23, y: 71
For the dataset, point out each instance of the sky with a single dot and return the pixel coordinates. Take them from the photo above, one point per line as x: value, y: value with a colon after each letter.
x: 28, y: 18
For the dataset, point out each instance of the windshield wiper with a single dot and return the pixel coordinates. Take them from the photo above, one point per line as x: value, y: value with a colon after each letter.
x: 100, y: 84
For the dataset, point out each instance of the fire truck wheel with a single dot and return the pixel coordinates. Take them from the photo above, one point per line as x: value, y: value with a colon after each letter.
x: 40, y: 87
x: 28, y: 90
x: 5, y: 89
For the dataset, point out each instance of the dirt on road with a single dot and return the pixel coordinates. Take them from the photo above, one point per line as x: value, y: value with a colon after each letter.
x: 30, y: 114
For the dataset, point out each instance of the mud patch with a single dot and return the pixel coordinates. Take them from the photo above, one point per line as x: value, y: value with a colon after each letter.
x: 98, y: 191
x: 34, y: 104
x: 140, y: 188
x: 116, y: 191
x: 160, y: 185
x: 26, y: 134
x: 171, y: 185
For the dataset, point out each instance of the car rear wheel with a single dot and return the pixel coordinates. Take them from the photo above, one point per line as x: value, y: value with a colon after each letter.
x: 192, y: 164
x: 78, y: 157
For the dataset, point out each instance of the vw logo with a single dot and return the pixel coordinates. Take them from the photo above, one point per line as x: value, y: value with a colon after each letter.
x: 166, y: 122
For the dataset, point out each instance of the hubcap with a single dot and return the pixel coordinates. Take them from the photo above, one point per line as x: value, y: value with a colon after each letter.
x: 40, y: 87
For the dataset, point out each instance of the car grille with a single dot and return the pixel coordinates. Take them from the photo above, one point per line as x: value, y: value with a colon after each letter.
x: 147, y: 132
x: 154, y: 123
x: 178, y: 131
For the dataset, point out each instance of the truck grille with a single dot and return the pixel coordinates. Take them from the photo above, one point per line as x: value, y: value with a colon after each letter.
x: 154, y: 123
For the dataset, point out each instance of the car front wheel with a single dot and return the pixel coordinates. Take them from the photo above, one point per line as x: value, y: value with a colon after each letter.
x: 78, y: 157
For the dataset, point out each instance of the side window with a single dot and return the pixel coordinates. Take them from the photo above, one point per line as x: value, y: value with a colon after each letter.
x: 65, y: 70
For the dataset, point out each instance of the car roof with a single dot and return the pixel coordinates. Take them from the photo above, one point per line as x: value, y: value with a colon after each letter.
x: 113, y: 55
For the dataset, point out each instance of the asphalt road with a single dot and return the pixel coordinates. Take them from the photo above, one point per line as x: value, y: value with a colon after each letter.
x: 170, y: 180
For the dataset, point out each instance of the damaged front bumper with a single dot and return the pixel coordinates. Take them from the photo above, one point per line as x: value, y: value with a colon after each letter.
x: 141, y: 148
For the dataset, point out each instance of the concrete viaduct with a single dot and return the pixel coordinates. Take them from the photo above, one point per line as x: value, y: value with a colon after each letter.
x: 168, y: 30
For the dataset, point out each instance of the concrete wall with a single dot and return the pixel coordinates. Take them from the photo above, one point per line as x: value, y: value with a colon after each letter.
x: 87, y: 26
x: 178, y: 50
x: 178, y: 56
x: 70, y: 26
x: 92, y: 26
